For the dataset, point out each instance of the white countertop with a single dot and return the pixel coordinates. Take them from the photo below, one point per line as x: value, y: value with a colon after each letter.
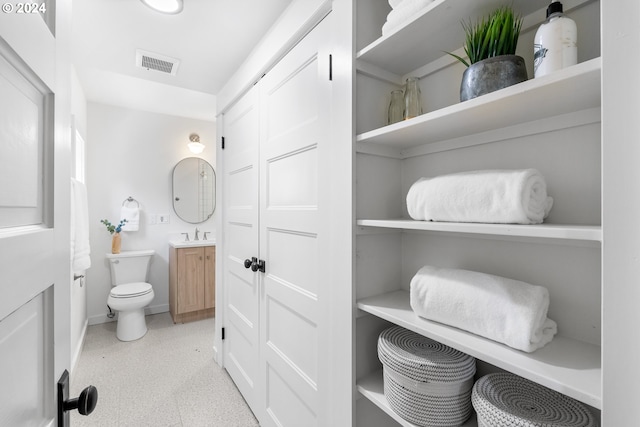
x: 191, y: 243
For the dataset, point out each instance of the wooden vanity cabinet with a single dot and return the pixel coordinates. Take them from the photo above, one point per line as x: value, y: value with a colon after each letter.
x: 192, y: 283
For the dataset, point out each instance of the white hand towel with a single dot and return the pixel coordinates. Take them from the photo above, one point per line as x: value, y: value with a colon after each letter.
x: 132, y: 215
x: 404, y: 11
x: 504, y: 310
x: 491, y: 196
x: 395, y: 3
x: 80, y: 247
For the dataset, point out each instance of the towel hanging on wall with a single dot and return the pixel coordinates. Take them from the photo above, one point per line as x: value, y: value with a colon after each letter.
x: 80, y: 247
x: 131, y: 213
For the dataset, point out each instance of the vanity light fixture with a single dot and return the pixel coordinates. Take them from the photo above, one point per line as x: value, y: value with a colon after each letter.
x: 165, y: 6
x: 195, y: 145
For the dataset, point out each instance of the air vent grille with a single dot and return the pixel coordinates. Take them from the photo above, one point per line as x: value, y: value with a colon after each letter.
x: 156, y: 62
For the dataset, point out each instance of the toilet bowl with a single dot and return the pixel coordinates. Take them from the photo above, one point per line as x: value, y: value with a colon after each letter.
x: 130, y: 293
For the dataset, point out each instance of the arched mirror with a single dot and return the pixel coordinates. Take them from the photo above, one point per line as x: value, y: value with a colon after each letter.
x: 194, y: 190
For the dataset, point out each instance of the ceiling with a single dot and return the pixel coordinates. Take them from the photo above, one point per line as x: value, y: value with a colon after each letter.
x: 210, y: 38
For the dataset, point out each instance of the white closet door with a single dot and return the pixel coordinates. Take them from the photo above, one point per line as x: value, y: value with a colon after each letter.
x: 295, y: 104
x: 240, y: 219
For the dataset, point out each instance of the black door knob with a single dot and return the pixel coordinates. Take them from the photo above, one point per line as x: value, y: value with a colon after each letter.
x: 85, y: 403
x: 248, y: 263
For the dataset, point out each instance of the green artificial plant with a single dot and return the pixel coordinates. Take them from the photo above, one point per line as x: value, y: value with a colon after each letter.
x: 491, y: 36
x: 113, y: 228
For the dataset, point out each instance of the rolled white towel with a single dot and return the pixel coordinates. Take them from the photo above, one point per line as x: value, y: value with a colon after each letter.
x: 395, y: 3
x: 490, y: 196
x: 402, y: 13
x: 501, y: 309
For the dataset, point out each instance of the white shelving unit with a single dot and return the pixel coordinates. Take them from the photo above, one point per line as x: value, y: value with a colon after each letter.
x: 559, y: 103
x: 565, y: 365
x: 566, y: 91
x: 405, y: 50
x: 587, y: 233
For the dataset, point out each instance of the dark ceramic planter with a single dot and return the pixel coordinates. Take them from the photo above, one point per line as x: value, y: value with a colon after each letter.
x: 492, y: 74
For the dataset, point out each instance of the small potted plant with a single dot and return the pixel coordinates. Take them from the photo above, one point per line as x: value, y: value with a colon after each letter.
x: 115, y: 232
x: 490, y: 45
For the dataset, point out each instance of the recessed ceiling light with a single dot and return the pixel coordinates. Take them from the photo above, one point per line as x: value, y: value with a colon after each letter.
x: 165, y: 6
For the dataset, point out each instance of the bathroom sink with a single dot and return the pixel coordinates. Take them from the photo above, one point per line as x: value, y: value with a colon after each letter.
x: 191, y: 243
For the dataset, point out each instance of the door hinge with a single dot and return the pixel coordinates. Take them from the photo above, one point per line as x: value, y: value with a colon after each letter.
x: 223, y: 333
x: 330, y: 67
x: 223, y: 142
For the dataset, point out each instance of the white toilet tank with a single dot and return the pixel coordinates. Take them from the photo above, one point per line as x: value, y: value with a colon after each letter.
x: 130, y: 266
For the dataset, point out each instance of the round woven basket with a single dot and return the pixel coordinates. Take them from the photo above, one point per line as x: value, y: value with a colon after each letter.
x: 425, y: 382
x: 507, y: 400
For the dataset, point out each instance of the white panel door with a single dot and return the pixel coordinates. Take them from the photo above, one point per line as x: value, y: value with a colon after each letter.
x: 240, y: 223
x: 295, y: 105
x: 34, y: 202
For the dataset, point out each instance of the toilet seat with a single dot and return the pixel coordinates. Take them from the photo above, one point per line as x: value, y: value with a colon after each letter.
x: 131, y: 290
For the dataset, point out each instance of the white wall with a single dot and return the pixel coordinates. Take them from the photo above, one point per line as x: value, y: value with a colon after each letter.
x: 132, y: 153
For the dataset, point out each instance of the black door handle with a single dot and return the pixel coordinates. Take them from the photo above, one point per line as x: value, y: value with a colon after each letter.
x: 248, y: 263
x: 85, y: 403
x: 255, y: 264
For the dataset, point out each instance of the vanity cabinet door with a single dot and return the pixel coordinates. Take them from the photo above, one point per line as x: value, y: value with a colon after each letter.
x: 210, y: 277
x: 190, y: 279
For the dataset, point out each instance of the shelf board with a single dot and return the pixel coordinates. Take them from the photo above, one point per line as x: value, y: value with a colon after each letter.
x: 405, y: 49
x: 540, y: 231
x: 372, y: 387
x: 572, y: 89
x: 568, y: 366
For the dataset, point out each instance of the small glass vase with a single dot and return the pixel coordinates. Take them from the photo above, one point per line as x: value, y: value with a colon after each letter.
x: 412, y: 99
x: 396, y: 107
x: 116, y: 241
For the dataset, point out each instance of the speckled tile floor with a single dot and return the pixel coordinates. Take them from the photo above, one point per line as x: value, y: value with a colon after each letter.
x: 166, y: 378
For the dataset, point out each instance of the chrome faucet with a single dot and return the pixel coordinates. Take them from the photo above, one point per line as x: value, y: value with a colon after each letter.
x: 186, y: 236
x: 196, y: 235
x: 205, y: 235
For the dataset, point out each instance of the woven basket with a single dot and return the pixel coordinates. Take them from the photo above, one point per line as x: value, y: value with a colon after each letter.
x: 507, y: 400
x: 425, y: 382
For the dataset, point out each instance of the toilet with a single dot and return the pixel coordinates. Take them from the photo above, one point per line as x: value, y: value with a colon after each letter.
x: 130, y: 292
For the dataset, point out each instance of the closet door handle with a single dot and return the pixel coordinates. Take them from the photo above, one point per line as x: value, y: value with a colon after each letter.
x: 261, y: 266
x: 248, y: 263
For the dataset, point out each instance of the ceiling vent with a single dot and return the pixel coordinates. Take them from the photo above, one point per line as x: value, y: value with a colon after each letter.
x: 156, y: 62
